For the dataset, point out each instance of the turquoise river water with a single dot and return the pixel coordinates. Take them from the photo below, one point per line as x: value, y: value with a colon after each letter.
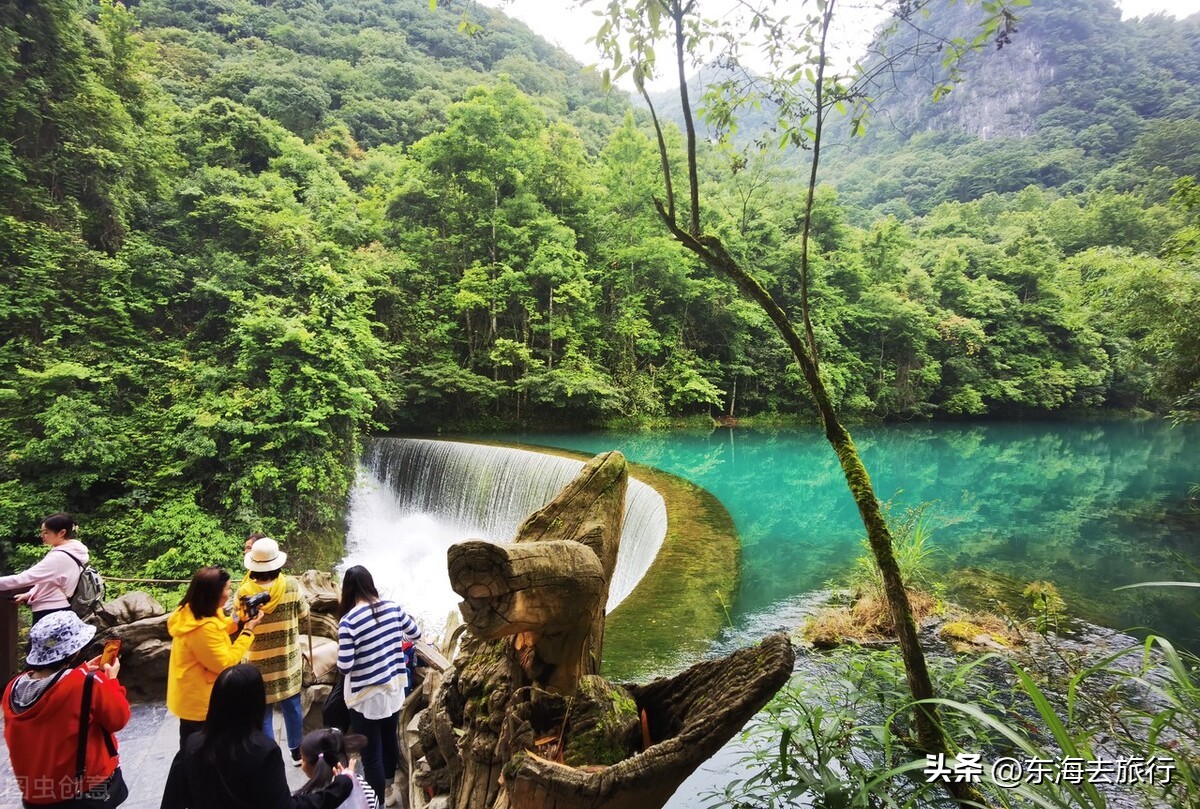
x: 1089, y: 506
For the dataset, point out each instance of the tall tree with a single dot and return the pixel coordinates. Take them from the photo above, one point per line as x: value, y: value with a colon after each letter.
x: 806, y: 91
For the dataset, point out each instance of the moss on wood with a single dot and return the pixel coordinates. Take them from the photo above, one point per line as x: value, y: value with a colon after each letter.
x: 675, y: 610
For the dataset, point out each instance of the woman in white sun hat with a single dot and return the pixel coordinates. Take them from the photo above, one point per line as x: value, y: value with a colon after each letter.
x: 275, y: 650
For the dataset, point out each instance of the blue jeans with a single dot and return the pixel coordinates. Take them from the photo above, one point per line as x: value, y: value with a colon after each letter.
x: 293, y: 720
x: 381, y: 756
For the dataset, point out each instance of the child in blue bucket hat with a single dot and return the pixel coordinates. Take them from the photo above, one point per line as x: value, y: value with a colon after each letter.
x: 44, y: 717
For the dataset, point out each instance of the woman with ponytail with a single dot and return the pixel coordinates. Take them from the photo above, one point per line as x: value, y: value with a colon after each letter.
x: 327, y: 751
x: 371, y: 636
x: 52, y: 581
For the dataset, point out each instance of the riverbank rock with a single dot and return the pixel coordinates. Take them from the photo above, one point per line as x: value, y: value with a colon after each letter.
x: 320, y: 659
x: 312, y: 706
x: 323, y: 595
x: 129, y: 608
x: 145, y: 653
x: 320, y: 590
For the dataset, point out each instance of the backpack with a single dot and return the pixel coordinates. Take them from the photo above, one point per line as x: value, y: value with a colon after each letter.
x: 89, y: 590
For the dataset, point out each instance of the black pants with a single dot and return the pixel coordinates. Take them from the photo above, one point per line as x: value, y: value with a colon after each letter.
x: 40, y: 614
x: 186, y: 728
x: 381, y: 756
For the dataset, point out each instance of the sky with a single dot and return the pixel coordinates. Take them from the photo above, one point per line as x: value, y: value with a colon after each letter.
x: 560, y: 22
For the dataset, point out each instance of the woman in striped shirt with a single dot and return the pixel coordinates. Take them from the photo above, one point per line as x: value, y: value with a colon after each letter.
x: 371, y: 636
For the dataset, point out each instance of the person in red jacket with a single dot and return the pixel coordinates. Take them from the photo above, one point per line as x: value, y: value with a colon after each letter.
x: 42, y: 711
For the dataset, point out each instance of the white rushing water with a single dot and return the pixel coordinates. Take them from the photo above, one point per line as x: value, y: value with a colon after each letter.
x: 414, y: 498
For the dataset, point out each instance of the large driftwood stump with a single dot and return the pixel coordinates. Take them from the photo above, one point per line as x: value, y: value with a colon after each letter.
x: 523, y: 721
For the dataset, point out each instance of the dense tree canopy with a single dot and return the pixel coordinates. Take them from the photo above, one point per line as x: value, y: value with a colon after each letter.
x: 237, y: 237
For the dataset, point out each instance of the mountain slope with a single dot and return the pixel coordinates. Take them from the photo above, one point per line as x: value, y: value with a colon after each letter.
x: 387, y: 69
x: 1079, y: 99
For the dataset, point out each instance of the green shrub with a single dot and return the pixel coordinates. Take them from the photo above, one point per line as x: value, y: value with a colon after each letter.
x: 836, y: 738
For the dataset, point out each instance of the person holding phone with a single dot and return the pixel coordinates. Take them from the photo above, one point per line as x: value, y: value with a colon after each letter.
x: 325, y: 752
x: 54, y: 578
x: 204, y: 642
x: 44, y: 718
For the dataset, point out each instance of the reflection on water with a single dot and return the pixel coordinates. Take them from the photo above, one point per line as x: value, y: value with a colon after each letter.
x: 1090, y: 506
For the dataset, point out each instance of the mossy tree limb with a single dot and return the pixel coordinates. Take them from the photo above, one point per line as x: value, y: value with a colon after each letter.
x: 691, y: 716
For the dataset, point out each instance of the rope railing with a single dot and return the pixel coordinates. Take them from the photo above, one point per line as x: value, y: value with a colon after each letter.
x: 148, y: 581
x: 9, y: 623
x: 232, y: 581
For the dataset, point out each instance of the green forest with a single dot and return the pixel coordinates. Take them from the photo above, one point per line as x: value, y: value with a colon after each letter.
x: 237, y: 237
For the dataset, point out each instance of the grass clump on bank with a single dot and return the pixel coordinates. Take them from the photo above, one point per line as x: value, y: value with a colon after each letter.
x: 1031, y: 686
x: 837, y: 734
x: 860, y: 614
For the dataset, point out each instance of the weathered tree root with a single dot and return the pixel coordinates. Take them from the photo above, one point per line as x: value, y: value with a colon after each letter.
x: 691, y: 716
x: 523, y: 721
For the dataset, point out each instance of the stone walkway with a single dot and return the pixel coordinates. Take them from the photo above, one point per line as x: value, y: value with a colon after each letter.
x: 147, y: 745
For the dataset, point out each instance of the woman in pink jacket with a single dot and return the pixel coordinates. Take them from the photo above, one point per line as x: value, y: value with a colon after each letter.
x: 55, y: 577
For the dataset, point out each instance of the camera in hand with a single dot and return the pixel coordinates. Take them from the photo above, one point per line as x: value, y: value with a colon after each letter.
x: 252, y: 604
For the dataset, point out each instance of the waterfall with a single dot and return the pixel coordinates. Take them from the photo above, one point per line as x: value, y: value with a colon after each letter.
x: 414, y: 498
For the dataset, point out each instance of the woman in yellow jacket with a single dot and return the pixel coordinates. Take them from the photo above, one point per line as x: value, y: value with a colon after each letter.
x: 204, y: 642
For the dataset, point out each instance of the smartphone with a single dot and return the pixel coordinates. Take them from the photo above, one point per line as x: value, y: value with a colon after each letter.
x: 111, y: 649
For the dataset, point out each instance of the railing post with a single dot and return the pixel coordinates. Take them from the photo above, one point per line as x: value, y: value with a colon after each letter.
x: 8, y: 636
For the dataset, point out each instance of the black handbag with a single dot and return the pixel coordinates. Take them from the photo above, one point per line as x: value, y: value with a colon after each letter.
x: 335, y: 713
x: 112, y: 791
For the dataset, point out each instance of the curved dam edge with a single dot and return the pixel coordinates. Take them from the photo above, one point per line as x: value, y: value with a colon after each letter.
x: 679, y: 606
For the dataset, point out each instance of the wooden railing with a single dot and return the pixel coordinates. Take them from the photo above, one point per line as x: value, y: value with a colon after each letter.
x: 9, y: 663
